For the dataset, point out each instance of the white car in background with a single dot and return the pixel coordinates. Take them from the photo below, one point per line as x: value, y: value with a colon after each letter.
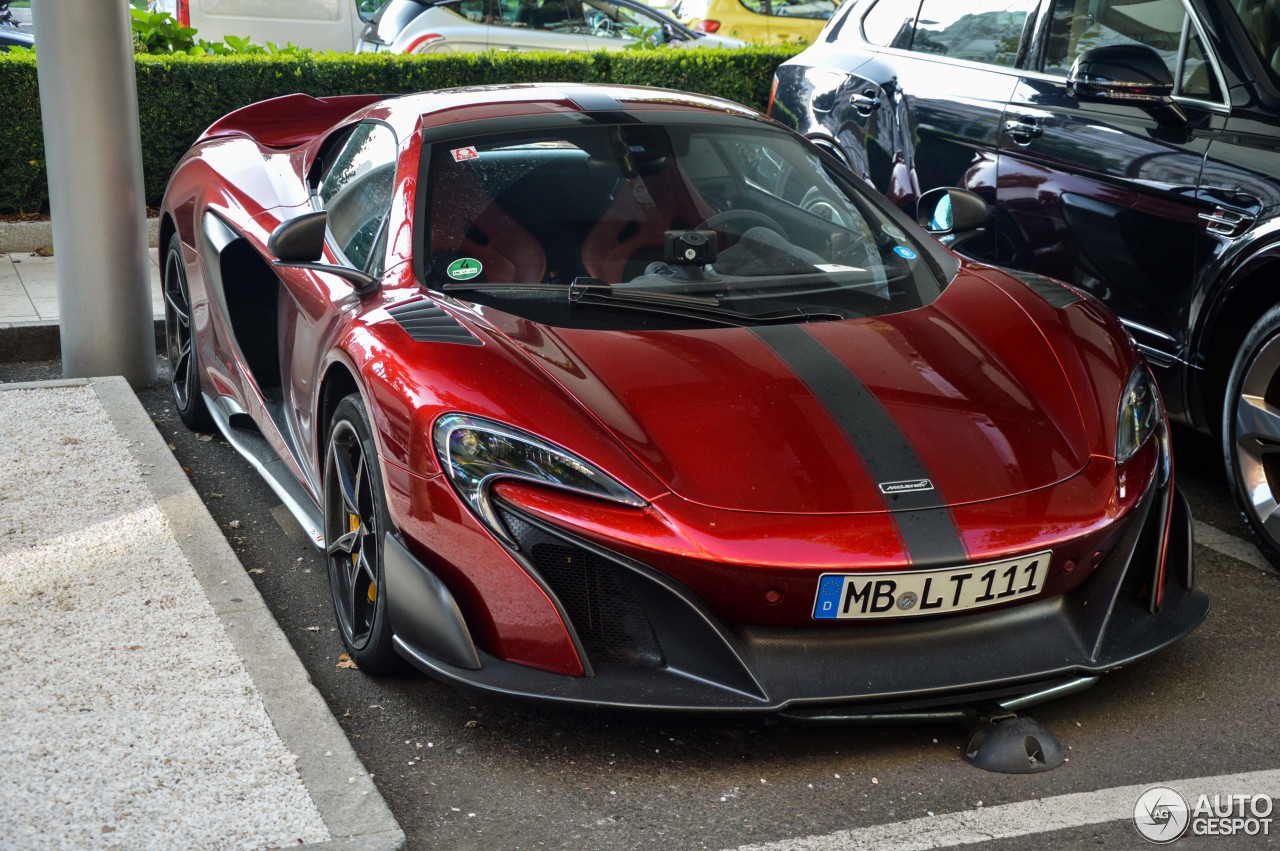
x: 317, y: 24
x: 427, y: 26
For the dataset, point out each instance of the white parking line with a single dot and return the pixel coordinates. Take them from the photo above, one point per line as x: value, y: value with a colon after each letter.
x: 1219, y: 541
x: 1023, y: 818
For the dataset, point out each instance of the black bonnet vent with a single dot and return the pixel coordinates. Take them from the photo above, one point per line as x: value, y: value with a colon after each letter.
x: 427, y: 323
x: 1058, y: 295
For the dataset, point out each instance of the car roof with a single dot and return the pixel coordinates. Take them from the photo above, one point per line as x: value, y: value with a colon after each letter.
x: 408, y: 113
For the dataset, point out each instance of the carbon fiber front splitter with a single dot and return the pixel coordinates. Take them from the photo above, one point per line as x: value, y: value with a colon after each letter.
x: 908, y: 670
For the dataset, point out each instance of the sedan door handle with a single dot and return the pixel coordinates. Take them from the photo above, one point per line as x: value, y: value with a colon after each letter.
x: 1023, y: 129
x: 867, y: 102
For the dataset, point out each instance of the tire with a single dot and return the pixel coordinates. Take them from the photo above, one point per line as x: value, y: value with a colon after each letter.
x: 179, y: 343
x: 1251, y: 433
x: 355, y: 519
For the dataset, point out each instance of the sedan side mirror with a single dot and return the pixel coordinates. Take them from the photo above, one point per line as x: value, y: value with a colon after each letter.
x: 946, y: 211
x: 299, y: 243
x: 1131, y: 74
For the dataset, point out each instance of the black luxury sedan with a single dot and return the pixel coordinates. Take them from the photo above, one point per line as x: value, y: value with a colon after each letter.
x: 1128, y: 147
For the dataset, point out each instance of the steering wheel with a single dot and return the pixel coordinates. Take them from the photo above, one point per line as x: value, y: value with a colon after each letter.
x: 600, y: 24
x: 744, y: 216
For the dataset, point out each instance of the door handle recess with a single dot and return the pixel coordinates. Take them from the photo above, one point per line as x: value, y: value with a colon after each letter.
x: 867, y: 102
x: 1023, y: 129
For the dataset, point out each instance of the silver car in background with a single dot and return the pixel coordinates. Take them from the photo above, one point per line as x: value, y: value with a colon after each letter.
x: 428, y: 26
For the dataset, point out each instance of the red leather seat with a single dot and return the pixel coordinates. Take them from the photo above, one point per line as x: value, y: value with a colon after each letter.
x: 467, y: 222
x: 632, y: 224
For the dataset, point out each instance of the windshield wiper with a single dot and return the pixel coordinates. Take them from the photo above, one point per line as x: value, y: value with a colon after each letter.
x: 592, y: 291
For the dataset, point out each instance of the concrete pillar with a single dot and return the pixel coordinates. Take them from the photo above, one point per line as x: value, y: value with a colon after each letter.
x: 93, y: 156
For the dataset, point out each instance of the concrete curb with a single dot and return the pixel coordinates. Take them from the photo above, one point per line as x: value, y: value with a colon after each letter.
x: 21, y: 342
x: 16, y: 237
x: 354, y: 811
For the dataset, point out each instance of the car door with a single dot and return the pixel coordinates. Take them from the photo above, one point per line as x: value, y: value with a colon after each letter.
x: 1104, y: 194
x: 355, y: 187
x: 925, y: 110
x: 537, y: 25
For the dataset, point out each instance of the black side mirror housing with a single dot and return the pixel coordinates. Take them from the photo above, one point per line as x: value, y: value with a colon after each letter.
x: 300, y: 239
x: 947, y: 211
x: 1131, y: 74
x: 299, y: 243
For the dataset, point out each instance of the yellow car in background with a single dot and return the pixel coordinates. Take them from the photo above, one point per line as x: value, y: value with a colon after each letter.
x: 757, y: 21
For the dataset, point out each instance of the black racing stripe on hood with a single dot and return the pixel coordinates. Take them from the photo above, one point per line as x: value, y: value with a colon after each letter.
x: 927, y: 530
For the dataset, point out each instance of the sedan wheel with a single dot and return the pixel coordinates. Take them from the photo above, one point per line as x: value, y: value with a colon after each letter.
x: 180, y: 343
x: 355, y: 519
x: 1251, y: 433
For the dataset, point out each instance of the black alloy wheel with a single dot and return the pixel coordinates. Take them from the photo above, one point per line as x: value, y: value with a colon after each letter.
x: 355, y: 519
x: 180, y: 343
x: 1251, y: 433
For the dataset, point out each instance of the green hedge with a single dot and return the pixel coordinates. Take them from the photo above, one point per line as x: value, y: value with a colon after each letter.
x: 179, y: 96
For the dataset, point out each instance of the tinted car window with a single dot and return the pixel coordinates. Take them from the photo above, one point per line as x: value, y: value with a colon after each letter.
x: 889, y: 23
x: 1261, y: 22
x: 986, y: 31
x: 356, y: 190
x: 541, y: 15
x: 605, y: 19
x: 1162, y: 25
x: 821, y: 9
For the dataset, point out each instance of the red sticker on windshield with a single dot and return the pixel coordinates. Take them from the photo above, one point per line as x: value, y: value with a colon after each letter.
x: 464, y: 154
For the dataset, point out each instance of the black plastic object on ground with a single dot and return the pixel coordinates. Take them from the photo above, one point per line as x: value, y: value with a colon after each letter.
x: 1013, y: 745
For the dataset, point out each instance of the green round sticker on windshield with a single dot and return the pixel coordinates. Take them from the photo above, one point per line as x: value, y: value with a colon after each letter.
x: 464, y: 269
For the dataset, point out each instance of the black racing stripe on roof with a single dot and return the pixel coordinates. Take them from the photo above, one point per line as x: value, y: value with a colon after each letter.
x: 926, y: 527
x: 593, y: 101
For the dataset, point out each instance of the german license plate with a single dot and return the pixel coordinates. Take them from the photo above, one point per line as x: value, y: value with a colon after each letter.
x: 929, y: 592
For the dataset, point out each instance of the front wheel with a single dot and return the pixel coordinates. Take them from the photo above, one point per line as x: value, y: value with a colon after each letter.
x: 355, y: 519
x: 1251, y: 433
x: 180, y: 343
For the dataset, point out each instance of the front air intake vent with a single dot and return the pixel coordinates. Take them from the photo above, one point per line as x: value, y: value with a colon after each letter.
x: 425, y: 322
x: 596, y: 594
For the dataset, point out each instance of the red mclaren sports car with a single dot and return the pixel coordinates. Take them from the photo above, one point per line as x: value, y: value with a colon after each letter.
x: 631, y: 397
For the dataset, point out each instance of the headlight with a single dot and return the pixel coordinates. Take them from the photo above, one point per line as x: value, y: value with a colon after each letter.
x: 1140, y: 415
x: 475, y: 452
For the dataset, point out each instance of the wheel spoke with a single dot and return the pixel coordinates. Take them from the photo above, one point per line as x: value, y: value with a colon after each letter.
x: 188, y: 367
x: 179, y: 310
x: 363, y: 564
x: 357, y: 628
x: 1257, y: 426
x: 180, y: 367
x: 346, y: 543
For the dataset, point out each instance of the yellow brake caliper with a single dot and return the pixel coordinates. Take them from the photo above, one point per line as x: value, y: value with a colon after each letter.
x: 353, y: 523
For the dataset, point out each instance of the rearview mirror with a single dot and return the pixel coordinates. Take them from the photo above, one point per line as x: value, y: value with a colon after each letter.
x: 944, y: 211
x: 298, y: 243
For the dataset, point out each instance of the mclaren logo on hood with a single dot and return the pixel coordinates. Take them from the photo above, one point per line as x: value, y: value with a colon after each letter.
x: 909, y: 486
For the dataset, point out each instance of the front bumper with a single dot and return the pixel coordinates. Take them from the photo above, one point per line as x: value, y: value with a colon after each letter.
x: 648, y: 643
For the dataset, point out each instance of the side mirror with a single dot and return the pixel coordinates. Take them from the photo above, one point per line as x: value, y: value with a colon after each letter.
x: 1131, y: 74
x: 946, y: 211
x: 298, y: 243
x: 300, y: 239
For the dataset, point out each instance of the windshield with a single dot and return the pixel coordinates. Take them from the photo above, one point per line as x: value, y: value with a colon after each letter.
x: 745, y: 219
